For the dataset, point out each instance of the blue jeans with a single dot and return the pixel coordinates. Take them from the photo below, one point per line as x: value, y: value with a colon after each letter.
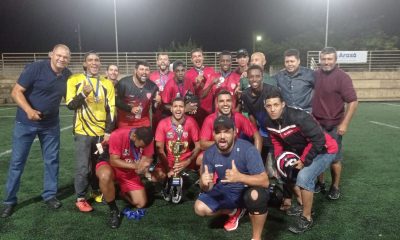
x: 308, y: 175
x: 23, y: 137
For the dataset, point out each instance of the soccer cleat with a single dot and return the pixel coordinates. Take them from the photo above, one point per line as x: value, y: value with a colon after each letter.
x: 53, y: 203
x: 83, y: 206
x: 115, y: 219
x: 320, y: 188
x: 301, y: 225
x: 296, y: 210
x: 334, y: 193
x: 233, y: 221
x: 8, y: 210
x: 166, y: 191
x: 176, y: 192
x: 97, y: 196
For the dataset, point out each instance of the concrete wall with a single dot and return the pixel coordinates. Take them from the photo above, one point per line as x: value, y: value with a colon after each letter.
x: 370, y: 86
x: 377, y: 86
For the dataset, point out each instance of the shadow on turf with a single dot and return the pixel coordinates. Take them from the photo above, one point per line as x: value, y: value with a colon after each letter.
x: 63, y: 193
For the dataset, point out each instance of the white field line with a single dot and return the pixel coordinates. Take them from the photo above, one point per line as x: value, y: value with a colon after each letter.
x: 36, y: 139
x: 1, y: 109
x: 391, y: 104
x: 384, y: 124
x: 13, y: 116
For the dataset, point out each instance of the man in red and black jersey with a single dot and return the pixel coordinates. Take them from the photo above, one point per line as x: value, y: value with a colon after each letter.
x: 297, y: 131
x: 242, y: 124
x: 178, y: 87
x: 130, y: 154
x: 198, y: 75
x: 161, y: 77
x: 224, y: 79
x: 169, y: 130
x: 137, y: 95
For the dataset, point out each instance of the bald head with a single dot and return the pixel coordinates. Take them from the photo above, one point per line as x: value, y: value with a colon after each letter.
x: 59, y: 57
x: 258, y: 58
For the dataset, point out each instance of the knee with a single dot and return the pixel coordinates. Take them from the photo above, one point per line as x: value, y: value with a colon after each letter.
x: 201, y: 209
x: 105, y: 176
x: 256, y: 200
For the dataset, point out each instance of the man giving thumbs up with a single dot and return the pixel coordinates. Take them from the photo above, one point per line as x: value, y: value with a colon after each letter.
x: 233, y: 178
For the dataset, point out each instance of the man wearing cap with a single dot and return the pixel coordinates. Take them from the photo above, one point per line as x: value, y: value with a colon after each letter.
x: 233, y: 178
x: 242, y: 58
x: 295, y: 82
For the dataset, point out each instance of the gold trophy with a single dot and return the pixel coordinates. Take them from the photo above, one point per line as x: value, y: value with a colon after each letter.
x: 178, y: 147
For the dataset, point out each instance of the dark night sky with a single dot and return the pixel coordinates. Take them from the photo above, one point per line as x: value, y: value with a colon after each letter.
x: 145, y: 25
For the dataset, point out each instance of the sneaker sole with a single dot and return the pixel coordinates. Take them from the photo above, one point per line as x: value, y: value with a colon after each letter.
x: 237, y: 222
x: 333, y: 198
x: 295, y: 231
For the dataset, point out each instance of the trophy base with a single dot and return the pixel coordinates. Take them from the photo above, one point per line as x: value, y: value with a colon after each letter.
x: 176, y: 181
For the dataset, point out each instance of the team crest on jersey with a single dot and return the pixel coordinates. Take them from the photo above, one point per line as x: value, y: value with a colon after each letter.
x: 148, y: 95
x: 158, y: 81
x: 233, y: 85
x: 170, y: 135
x: 125, y: 152
x: 185, y: 134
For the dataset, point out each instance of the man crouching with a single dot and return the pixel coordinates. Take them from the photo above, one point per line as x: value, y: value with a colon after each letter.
x: 233, y: 178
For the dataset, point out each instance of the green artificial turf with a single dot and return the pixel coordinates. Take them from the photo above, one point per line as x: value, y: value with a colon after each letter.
x: 368, y: 207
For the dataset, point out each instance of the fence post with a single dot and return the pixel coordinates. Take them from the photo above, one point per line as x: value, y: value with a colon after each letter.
x: 126, y: 62
x: 370, y: 61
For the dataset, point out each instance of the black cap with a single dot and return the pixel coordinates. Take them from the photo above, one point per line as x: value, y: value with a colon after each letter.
x: 176, y: 64
x: 242, y: 53
x: 223, y: 122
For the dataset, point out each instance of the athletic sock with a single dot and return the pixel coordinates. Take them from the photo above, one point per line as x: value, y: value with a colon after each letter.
x: 112, y: 205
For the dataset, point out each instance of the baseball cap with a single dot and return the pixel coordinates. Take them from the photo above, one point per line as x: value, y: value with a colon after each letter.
x: 242, y: 53
x: 223, y: 122
x: 177, y: 63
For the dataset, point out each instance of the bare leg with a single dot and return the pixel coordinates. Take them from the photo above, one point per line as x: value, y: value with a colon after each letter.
x: 106, y: 182
x: 336, y: 170
x: 257, y: 222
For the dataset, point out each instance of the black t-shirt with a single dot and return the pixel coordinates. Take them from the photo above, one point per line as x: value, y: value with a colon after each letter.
x: 254, y: 105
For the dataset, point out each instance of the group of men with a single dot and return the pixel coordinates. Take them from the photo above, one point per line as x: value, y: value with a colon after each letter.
x: 227, y: 122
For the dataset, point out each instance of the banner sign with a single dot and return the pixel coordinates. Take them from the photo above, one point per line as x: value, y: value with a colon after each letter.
x: 351, y: 57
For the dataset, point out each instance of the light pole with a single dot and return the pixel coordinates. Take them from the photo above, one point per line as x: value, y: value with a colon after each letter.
x: 327, y: 23
x: 116, y: 30
x: 256, y: 38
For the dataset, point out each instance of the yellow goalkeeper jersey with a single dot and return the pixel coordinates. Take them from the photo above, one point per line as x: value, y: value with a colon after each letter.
x: 95, y: 113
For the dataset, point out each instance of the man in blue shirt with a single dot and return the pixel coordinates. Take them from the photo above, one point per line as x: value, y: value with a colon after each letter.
x: 295, y: 82
x: 233, y: 177
x: 38, y: 93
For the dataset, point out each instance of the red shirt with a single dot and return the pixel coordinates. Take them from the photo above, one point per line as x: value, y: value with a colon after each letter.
x: 242, y: 125
x: 172, y: 90
x: 161, y: 79
x: 229, y: 83
x: 121, y: 145
x: 191, y: 74
x: 166, y: 133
